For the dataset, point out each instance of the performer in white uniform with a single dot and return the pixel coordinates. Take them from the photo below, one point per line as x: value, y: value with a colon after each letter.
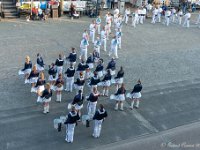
x: 114, y: 47
x: 98, y: 118
x: 119, y: 37
x: 126, y: 15
x: 33, y: 77
x: 98, y: 24
x: 159, y: 14
x: 167, y: 17
x: 92, y: 30
x: 135, y: 18
x: 103, y: 38
x: 198, y: 18
x: 180, y: 16
x: 97, y: 45
x: 186, y: 22
x: 84, y: 48
x: 155, y: 15
x: 71, y: 122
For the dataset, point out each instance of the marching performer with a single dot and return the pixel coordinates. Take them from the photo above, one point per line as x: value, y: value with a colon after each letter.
x: 27, y: 68
x: 83, y: 47
x: 98, y: 118
x: 99, y: 69
x: 198, y: 18
x: 39, y: 87
x: 92, y: 31
x: 92, y: 102
x: 97, y: 45
x: 94, y: 81
x: 46, y: 97
x: 135, y: 18
x: 52, y: 74
x: 109, y: 21
x: 114, y: 47
x: 119, y: 79
x: 78, y: 102
x: 173, y: 15
x: 112, y: 66
x: 126, y: 16
x: 40, y: 63
x: 71, y: 122
x: 108, y: 31
x: 72, y: 57
x: 79, y: 84
x: 59, y: 64
x: 119, y: 37
x: 33, y: 77
x: 143, y: 14
x: 136, y: 95
x: 106, y: 83
x: 180, y: 15
x: 167, y: 16
x: 103, y: 38
x: 85, y: 35
x: 186, y: 22
x: 160, y: 10
x: 81, y: 68
x: 98, y: 24
x: 90, y: 61
x: 69, y: 75
x: 155, y: 14
x: 59, y: 87
x: 120, y: 97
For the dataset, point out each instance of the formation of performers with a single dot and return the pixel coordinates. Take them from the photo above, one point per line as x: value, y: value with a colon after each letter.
x: 76, y: 73
x: 160, y: 14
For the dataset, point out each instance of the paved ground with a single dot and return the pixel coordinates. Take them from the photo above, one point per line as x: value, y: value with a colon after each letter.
x: 165, y: 59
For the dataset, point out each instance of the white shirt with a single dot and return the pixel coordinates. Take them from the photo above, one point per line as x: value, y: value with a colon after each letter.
x: 92, y: 27
x: 127, y: 12
x: 103, y: 34
x: 155, y: 11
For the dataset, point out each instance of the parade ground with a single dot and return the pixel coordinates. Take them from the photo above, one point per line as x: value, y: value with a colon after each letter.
x: 166, y: 59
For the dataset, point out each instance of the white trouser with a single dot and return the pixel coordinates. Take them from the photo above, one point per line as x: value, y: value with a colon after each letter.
x: 59, y: 69
x: 69, y: 83
x: 153, y: 19
x: 167, y: 20
x: 134, y: 20
x: 98, y: 28
x: 186, y: 23
x: 141, y: 19
x: 92, y: 35
x: 173, y: 18
x: 126, y: 19
x: 120, y: 42
x: 180, y: 20
x: 70, y: 132
x: 159, y: 17
x: 91, y: 109
x: 103, y: 42
x: 113, y: 51
x: 84, y: 53
x: 97, y: 128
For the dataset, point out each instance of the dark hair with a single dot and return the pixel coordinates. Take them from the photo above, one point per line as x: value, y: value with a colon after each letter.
x: 101, y: 107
